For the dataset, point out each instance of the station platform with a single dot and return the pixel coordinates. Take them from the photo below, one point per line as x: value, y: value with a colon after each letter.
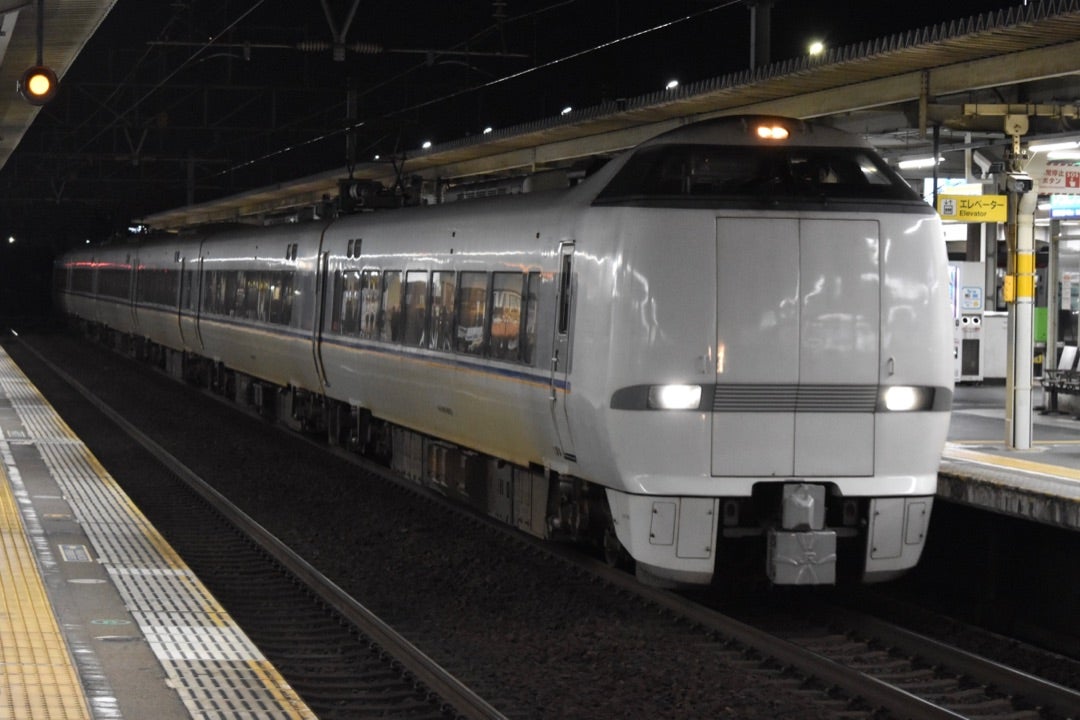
x: 1041, y: 484
x: 99, y: 618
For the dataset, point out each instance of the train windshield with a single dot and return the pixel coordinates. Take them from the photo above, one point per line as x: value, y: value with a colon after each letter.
x: 699, y: 175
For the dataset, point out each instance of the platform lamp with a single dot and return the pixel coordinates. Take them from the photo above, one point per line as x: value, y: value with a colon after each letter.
x: 38, y: 83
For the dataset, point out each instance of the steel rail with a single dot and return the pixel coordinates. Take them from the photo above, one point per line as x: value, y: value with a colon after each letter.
x: 1037, y: 691
x: 457, y: 695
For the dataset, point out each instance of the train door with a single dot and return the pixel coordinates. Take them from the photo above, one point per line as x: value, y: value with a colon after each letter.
x: 133, y: 292
x: 798, y: 333
x: 561, y: 349
x: 322, y: 294
x: 183, y: 299
x: 187, y: 308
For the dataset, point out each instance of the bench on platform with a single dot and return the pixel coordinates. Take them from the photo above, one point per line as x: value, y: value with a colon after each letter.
x: 1065, y: 378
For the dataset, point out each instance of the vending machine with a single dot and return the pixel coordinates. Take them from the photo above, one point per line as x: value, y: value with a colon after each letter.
x: 966, y: 290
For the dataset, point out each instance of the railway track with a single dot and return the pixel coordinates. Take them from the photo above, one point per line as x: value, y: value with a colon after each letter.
x: 339, y: 656
x: 813, y: 667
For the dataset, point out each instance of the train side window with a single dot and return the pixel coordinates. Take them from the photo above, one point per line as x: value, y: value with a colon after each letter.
x: 236, y: 287
x: 471, y: 313
x: 350, y: 321
x: 369, y: 303
x: 565, y: 288
x: 276, y: 297
x: 440, y: 328
x: 338, y: 304
x: 529, y: 329
x: 506, y: 316
x: 390, y: 320
x: 82, y: 280
x: 416, y: 306
x: 286, y: 285
x: 262, y: 311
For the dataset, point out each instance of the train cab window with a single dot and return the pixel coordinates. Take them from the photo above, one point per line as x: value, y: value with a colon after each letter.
x: 441, y: 322
x: 369, y: 303
x: 416, y: 307
x: 717, y: 173
x: 506, y: 316
x: 471, y: 313
x: 390, y: 320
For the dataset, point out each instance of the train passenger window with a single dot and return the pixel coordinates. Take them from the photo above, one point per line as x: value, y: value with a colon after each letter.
x: 532, y: 297
x: 115, y: 282
x: 338, y: 303
x: 236, y: 283
x: 286, y: 286
x: 262, y: 310
x: 506, y: 316
x: 416, y: 305
x: 369, y: 303
x: 471, y: 313
x: 276, y: 290
x: 390, y: 320
x: 82, y: 279
x: 565, y: 287
x: 440, y: 327
x: 350, y: 303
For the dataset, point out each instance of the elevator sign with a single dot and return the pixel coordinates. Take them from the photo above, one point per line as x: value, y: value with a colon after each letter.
x: 1060, y: 179
x: 973, y: 208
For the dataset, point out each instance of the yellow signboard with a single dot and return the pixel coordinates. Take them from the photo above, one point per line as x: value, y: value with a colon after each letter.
x: 973, y: 208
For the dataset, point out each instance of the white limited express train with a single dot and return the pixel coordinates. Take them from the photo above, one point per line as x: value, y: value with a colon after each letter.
x: 731, y: 341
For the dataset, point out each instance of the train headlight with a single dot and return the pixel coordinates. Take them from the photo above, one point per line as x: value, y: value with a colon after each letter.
x: 906, y: 398
x: 674, y: 397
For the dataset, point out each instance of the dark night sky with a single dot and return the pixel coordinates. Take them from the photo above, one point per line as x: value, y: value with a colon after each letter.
x: 621, y: 48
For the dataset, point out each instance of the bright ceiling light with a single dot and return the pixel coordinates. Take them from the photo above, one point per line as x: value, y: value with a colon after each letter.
x: 915, y: 163
x: 1054, y: 147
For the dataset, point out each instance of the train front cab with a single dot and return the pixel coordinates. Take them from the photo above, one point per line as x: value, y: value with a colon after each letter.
x: 823, y: 424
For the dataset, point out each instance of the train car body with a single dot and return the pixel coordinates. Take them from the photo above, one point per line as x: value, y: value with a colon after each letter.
x: 719, y: 343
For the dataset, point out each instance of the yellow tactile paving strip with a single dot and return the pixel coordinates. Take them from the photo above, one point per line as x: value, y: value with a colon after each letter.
x: 208, y: 661
x: 957, y: 451
x: 37, y: 677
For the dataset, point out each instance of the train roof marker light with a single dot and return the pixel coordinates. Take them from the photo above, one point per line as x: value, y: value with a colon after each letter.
x: 38, y: 84
x: 772, y: 132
